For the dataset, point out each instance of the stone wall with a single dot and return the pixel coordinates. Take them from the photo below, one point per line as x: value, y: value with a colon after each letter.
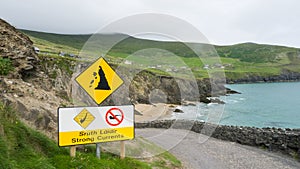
x: 286, y: 141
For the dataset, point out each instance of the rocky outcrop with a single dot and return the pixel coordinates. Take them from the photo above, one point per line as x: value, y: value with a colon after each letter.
x: 18, y: 48
x: 29, y: 88
x: 176, y: 90
x: 35, y: 106
x: 173, y: 89
x: 286, y: 141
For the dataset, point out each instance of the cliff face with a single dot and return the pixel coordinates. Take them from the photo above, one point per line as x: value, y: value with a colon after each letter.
x: 145, y: 88
x: 18, y: 48
x: 28, y: 87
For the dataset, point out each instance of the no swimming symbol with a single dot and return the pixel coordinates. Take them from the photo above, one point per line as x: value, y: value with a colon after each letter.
x: 114, y: 116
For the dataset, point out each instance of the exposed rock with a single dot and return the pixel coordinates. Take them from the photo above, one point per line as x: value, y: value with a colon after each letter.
x: 33, y: 94
x: 216, y: 100
x: 18, y: 48
x: 175, y: 89
x: 177, y: 110
x: 191, y: 104
x: 230, y: 91
x: 187, y: 103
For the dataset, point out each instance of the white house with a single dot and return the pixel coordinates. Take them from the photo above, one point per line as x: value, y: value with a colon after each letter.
x: 127, y: 62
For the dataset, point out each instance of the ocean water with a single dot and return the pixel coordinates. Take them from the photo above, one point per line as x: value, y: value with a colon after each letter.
x: 259, y: 105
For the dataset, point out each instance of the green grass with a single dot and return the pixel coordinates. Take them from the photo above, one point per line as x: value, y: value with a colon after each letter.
x: 5, y: 66
x: 24, y: 148
x: 246, y: 59
x: 255, y: 53
x: 66, y: 64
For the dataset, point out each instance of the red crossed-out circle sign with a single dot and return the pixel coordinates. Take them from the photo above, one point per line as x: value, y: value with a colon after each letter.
x: 114, y: 116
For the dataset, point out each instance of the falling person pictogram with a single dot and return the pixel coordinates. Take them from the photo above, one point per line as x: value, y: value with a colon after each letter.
x: 103, y: 84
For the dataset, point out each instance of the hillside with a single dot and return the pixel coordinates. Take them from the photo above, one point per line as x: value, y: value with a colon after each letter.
x: 247, y: 61
x: 24, y: 148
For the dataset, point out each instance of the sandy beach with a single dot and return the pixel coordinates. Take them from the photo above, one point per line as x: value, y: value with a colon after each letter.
x: 150, y: 112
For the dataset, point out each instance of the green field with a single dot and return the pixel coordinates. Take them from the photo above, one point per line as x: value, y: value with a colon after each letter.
x: 237, y: 61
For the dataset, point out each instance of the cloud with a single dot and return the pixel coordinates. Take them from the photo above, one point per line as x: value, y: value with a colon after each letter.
x: 221, y: 21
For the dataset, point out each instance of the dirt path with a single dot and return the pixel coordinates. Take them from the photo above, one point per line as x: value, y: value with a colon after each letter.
x: 213, y: 153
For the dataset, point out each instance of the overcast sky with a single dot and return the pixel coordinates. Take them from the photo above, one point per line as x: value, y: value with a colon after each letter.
x: 221, y: 21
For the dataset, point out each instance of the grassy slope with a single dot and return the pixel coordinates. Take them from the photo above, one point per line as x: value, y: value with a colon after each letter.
x: 246, y: 58
x: 22, y: 148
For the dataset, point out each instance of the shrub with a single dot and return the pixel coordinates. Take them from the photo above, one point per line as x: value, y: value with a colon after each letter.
x: 5, y: 66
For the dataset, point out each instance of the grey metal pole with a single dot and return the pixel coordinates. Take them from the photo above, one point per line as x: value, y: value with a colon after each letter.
x: 98, y: 150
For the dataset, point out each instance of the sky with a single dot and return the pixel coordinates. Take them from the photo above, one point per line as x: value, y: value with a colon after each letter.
x: 222, y: 22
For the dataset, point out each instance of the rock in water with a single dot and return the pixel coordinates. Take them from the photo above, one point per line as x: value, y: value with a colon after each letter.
x: 178, y: 111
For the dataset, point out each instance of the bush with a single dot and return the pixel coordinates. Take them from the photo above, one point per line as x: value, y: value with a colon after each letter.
x: 5, y: 66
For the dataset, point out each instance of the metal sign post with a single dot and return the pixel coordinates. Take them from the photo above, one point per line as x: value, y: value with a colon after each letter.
x: 98, y: 150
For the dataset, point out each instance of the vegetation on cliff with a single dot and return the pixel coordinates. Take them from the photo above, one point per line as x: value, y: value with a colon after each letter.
x: 5, y: 66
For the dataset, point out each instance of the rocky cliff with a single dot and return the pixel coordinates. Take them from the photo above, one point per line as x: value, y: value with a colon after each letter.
x: 28, y: 86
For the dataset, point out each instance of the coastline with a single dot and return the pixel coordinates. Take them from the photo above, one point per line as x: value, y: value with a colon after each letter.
x: 274, y: 139
x: 285, y: 76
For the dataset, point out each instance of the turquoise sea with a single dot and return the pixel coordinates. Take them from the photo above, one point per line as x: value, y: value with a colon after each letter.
x: 258, y: 105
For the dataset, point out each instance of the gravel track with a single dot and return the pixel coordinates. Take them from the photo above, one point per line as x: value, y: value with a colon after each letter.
x: 214, y: 153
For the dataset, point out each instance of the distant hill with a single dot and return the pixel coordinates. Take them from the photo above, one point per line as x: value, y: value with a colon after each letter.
x: 238, y: 61
x: 248, y: 52
x: 252, y: 52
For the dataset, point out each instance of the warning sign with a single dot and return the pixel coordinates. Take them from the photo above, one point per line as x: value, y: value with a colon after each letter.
x: 99, y: 80
x: 84, y: 118
x: 114, y: 116
x: 86, y: 125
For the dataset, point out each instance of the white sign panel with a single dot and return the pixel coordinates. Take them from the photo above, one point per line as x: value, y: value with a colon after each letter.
x: 85, y: 125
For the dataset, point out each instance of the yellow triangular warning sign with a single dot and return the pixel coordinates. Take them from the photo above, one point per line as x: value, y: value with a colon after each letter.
x: 99, y: 80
